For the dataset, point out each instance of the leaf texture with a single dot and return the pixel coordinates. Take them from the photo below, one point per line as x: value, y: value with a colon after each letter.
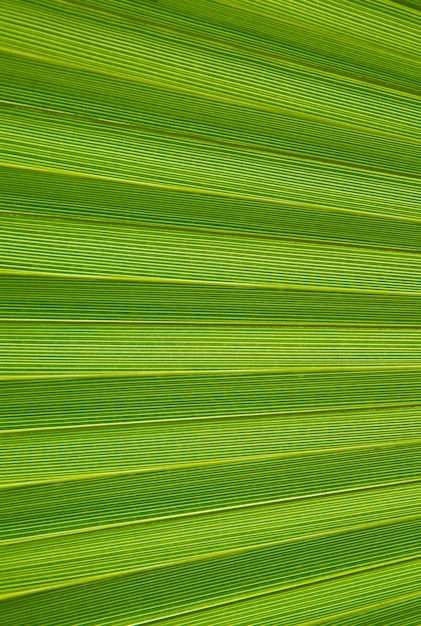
x: 210, y: 312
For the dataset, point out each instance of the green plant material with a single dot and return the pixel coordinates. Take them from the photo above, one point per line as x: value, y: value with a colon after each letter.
x: 210, y: 313
x: 114, y: 399
x: 151, y: 445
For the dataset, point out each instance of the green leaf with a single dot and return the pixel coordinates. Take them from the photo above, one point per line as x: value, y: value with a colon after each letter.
x: 210, y: 305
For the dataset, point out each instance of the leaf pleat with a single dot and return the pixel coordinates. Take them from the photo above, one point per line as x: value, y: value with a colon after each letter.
x: 210, y: 312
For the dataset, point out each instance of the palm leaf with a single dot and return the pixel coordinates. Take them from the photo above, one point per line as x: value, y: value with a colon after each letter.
x: 210, y: 312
